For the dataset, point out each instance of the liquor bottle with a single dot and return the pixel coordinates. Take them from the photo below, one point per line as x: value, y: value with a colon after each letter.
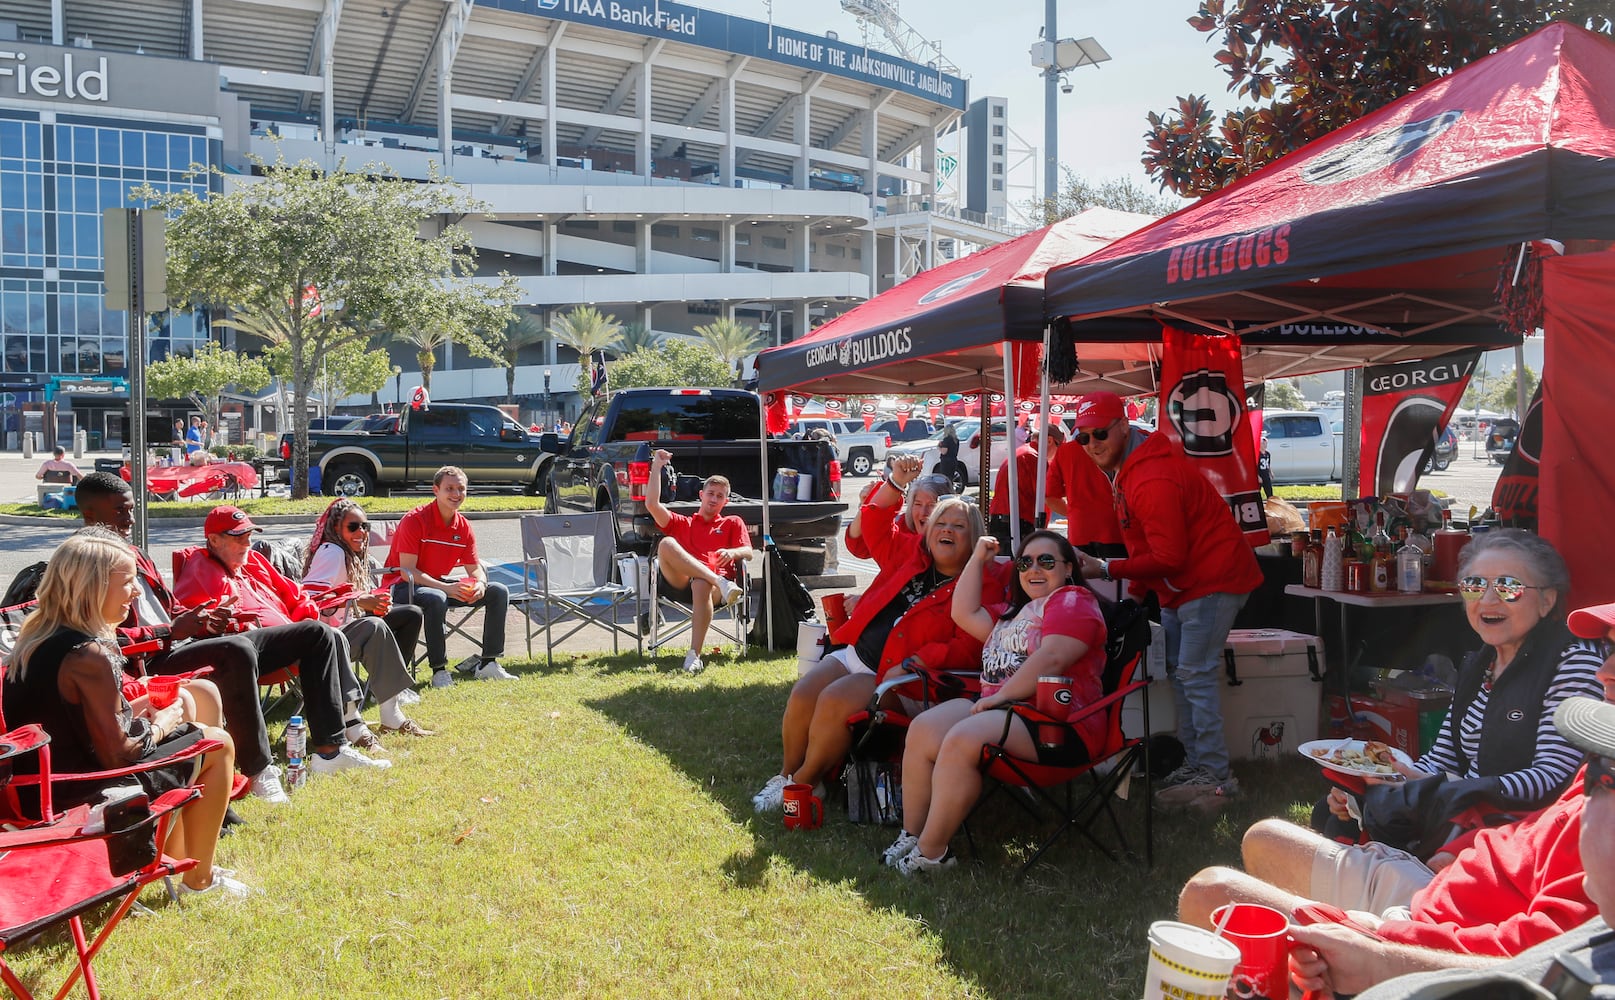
x: 1409, y: 566
x: 1312, y: 561
x: 1333, y: 574
x: 1380, y: 567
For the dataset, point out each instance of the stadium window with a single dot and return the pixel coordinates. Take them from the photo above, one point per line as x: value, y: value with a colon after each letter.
x: 998, y: 168
x: 775, y: 243
x: 835, y: 249
x: 669, y: 232
x: 998, y: 185
x: 998, y: 111
x: 998, y: 149
x: 998, y: 131
x: 704, y: 235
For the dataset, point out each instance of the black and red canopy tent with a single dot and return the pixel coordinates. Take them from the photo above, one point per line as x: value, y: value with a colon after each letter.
x: 1383, y: 241
x: 943, y: 330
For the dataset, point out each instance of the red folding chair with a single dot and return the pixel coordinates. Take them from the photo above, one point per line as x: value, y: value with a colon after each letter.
x: 280, y: 686
x: 54, y: 872
x: 1086, y: 788
x: 880, y: 731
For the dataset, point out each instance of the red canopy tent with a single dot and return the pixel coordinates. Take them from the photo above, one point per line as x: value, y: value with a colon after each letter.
x: 1389, y: 240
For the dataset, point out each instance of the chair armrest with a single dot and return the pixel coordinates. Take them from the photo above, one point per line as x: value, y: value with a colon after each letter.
x: 1104, y: 704
x: 194, y: 750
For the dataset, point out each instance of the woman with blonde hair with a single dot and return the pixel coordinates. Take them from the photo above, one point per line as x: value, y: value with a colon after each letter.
x: 65, y: 676
x: 381, y: 635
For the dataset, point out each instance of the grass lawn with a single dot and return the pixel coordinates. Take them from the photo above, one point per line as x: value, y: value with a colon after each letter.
x: 589, y: 832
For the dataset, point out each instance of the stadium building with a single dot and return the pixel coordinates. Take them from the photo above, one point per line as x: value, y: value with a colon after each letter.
x: 664, y: 163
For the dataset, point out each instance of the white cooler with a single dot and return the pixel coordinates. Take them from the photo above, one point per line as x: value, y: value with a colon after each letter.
x: 1276, y: 703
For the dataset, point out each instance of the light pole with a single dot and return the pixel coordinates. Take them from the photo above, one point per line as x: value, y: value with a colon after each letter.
x: 547, y: 414
x: 1056, y: 56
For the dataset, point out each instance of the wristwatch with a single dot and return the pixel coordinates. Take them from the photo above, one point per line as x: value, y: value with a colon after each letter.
x: 1104, y: 569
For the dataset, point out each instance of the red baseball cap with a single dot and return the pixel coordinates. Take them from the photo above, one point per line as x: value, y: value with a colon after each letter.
x: 1099, y: 409
x: 228, y: 520
x: 1594, y: 622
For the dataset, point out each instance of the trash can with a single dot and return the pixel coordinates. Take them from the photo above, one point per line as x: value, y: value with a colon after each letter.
x: 313, y: 480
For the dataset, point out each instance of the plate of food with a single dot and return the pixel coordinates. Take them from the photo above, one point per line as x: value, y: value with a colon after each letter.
x: 1364, y: 758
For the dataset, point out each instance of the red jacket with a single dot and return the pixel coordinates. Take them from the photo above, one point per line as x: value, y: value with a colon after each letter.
x: 1517, y: 886
x: 198, y: 576
x: 1028, y: 466
x: 927, y: 629
x: 1090, y: 512
x: 1182, y: 540
x: 858, y: 546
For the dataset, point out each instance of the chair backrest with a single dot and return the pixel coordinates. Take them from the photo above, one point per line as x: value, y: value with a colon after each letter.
x: 182, y: 556
x: 10, y: 624
x: 54, y: 476
x: 1127, y: 636
x: 575, y: 550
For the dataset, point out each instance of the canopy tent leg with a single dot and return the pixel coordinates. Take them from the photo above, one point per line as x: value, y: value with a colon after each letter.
x: 1009, y: 447
x: 762, y: 458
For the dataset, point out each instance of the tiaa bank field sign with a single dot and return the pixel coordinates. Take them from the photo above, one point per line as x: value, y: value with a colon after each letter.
x: 89, y: 78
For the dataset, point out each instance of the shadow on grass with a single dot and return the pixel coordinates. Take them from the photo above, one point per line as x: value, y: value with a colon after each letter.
x: 1075, y: 926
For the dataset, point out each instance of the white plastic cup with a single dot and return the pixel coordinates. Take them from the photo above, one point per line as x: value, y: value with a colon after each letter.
x: 811, y: 641
x: 1187, y: 963
x: 804, y: 486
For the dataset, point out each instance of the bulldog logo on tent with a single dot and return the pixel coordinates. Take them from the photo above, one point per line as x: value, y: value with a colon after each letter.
x: 1362, y: 157
x: 1204, y: 411
x: 950, y: 288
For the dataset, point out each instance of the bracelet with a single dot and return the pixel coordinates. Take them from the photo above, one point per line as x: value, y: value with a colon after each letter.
x: 1104, y: 571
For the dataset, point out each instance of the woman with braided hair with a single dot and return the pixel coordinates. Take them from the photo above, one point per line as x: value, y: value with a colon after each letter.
x: 381, y: 636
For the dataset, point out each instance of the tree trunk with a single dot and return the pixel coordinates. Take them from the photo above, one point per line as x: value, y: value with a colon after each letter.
x: 510, y: 377
x: 302, y: 383
x: 426, y: 360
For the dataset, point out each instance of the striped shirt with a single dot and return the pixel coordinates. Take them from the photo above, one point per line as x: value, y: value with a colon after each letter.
x: 1554, y: 761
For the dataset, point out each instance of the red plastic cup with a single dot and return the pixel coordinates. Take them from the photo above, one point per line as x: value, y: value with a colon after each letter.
x: 1262, y: 935
x: 803, y: 809
x: 162, y: 691
x: 835, y: 610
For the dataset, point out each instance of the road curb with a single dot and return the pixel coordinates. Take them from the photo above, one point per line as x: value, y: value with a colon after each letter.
x: 24, y: 520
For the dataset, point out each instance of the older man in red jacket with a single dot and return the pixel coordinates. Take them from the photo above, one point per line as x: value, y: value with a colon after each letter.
x: 1183, y: 545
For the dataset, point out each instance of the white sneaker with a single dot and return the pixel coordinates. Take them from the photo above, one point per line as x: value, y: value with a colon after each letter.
x: 914, y: 862
x: 224, y: 886
x: 409, y: 696
x: 772, y: 796
x: 492, y: 671
x: 346, y: 757
x: 692, y: 663
x: 441, y: 678
x: 266, y: 785
x: 904, y: 843
x: 728, y: 592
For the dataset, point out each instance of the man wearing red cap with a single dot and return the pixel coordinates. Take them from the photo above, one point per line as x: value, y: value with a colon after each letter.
x: 228, y: 571
x: 1184, y: 546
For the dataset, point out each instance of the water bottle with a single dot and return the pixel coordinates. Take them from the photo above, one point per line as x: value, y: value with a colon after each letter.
x: 296, y: 747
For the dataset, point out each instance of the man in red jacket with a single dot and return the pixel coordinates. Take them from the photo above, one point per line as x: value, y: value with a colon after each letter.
x: 229, y: 571
x: 1183, y: 545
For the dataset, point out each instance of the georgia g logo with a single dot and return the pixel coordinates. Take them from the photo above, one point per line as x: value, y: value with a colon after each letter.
x: 844, y: 353
x: 1204, y: 412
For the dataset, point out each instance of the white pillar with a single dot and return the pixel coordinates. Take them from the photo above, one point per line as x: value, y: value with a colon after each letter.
x: 802, y: 137
x: 642, y: 155
x: 726, y: 248
x: 196, y: 29
x: 642, y: 247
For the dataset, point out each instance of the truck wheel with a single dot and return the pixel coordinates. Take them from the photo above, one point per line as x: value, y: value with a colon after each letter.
x: 805, y: 562
x: 352, y: 481
x: 1443, y: 464
x: 862, y: 462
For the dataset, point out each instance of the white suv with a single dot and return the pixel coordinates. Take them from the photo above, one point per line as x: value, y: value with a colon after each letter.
x: 1305, y: 448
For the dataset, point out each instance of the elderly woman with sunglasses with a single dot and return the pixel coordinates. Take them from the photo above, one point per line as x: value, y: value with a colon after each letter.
x: 904, y: 617
x: 918, y: 499
x: 1498, y: 746
x: 381, y: 635
x: 1050, y: 628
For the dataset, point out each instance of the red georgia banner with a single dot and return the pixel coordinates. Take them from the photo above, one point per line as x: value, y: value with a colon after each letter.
x: 1203, y: 408
x: 1405, y: 407
x: 1519, y: 485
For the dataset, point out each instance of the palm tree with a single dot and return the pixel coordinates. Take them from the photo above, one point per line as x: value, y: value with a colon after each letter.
x: 426, y: 342
x: 638, y: 337
x: 586, y: 330
x: 523, y: 331
x: 731, y: 341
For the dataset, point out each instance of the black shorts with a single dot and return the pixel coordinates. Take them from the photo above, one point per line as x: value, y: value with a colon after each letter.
x: 1071, y: 751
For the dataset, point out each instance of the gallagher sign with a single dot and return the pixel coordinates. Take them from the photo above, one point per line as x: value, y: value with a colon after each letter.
x: 712, y: 30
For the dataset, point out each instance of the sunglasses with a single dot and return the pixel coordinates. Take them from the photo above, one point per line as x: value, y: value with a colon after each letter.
x: 1509, y: 588
x: 1600, y: 775
x: 1097, y: 434
x: 356, y: 526
x: 1044, y: 561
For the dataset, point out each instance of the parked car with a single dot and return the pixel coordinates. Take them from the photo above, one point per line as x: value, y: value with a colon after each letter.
x: 1500, y: 439
x: 912, y: 429
x: 1446, y: 451
x: 1304, y: 446
x: 968, y: 472
x: 858, y: 450
x: 605, y: 465
x: 493, y: 449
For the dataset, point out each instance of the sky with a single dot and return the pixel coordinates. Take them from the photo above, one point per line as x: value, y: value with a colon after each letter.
x: 1155, y: 58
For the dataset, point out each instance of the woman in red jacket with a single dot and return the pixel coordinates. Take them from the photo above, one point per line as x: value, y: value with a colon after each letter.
x: 906, y: 614
x: 922, y: 495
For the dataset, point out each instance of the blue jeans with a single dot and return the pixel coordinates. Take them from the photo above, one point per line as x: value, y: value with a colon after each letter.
x: 435, y: 604
x: 1196, y: 632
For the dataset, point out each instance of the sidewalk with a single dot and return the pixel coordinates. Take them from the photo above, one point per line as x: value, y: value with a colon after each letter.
x: 17, y: 480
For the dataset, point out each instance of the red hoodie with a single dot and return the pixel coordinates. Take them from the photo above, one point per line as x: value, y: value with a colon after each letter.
x: 1182, y: 540
x: 257, y: 587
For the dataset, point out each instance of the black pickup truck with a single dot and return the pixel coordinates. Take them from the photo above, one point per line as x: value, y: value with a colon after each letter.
x: 605, y: 465
x: 492, y: 448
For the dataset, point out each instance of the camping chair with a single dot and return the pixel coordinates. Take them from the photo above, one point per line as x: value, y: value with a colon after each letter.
x: 566, y: 574
x: 279, y: 687
x: 880, y: 731
x: 1110, y: 769
x: 55, y: 871
x: 732, y: 622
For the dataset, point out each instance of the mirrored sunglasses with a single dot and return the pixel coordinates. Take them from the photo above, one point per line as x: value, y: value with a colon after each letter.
x: 1043, y: 560
x: 1509, y: 588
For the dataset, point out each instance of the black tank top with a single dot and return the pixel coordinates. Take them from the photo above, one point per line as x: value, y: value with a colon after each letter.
x: 36, y: 699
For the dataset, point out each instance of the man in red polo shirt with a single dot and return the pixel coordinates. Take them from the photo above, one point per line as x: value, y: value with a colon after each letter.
x: 431, y: 542
x: 1028, y: 466
x: 698, y: 554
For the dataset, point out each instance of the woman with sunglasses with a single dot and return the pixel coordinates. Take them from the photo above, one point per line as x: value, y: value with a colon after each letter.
x: 904, y: 617
x: 918, y: 500
x: 1499, y: 740
x: 1050, y: 627
x: 382, y: 636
